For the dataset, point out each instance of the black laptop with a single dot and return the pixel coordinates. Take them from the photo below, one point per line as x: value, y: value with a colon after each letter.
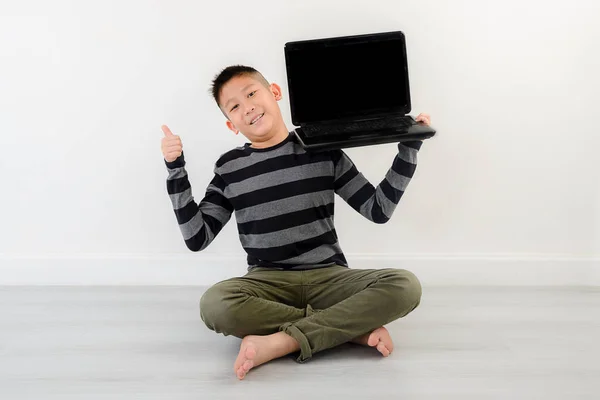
x: 351, y: 91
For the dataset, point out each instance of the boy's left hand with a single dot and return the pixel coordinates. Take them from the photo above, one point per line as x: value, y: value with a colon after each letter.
x: 425, y: 118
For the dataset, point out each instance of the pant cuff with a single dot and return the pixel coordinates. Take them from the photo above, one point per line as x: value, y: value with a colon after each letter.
x: 305, y: 350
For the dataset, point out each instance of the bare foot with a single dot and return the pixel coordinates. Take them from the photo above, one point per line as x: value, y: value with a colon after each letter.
x: 379, y: 338
x: 256, y: 350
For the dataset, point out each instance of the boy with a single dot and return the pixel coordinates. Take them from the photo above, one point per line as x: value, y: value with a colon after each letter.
x: 299, y: 294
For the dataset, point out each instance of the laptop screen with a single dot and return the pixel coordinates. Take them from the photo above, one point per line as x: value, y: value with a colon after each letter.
x: 347, y: 77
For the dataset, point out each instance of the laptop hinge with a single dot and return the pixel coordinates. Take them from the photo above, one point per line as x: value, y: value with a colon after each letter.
x: 355, y: 119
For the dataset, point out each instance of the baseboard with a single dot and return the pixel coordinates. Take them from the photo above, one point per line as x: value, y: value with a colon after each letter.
x: 198, y: 269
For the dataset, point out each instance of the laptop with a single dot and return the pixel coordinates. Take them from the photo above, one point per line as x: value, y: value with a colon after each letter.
x: 351, y: 91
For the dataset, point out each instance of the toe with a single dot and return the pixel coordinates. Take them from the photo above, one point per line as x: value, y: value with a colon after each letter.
x: 373, y: 340
x: 241, y: 373
x: 247, y: 365
x: 250, y: 352
x: 383, y: 350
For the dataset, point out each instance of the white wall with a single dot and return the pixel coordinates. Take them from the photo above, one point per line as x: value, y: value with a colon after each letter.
x: 510, y: 184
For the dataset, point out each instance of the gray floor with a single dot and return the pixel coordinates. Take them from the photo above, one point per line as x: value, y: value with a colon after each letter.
x: 148, y: 342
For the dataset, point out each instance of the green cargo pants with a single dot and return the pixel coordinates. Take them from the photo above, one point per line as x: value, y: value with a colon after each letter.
x: 320, y: 308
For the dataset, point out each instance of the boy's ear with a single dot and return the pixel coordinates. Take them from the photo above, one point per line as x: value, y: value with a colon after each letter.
x: 276, y: 90
x: 232, y: 127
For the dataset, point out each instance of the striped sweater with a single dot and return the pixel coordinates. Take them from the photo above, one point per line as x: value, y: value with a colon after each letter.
x: 283, y: 198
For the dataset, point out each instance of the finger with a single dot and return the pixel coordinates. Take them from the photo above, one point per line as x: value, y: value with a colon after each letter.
x: 171, y: 143
x: 423, y: 118
x: 166, y: 130
x: 171, y: 140
x: 173, y: 150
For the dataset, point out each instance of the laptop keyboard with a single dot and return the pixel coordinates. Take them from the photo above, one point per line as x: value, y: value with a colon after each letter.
x: 359, y: 126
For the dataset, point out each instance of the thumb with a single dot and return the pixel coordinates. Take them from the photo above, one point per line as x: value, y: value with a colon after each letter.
x: 166, y: 130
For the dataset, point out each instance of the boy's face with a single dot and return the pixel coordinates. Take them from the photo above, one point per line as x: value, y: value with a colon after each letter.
x: 244, y: 99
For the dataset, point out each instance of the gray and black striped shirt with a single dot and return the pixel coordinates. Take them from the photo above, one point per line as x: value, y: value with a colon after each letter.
x: 283, y: 198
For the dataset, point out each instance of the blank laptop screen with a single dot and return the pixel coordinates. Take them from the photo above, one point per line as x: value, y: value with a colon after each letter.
x: 339, y: 81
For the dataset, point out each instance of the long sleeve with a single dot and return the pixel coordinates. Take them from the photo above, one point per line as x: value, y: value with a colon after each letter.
x: 199, y: 223
x: 376, y: 204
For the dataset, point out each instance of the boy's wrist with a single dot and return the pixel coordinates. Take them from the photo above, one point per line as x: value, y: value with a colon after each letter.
x: 177, y: 163
x: 413, y: 144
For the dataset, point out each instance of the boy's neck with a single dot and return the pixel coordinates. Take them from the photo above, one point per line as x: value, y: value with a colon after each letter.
x: 277, y: 138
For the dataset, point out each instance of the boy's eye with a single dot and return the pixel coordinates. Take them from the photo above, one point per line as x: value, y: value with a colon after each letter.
x: 249, y: 95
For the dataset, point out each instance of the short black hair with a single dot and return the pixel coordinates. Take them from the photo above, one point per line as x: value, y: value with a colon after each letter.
x: 231, y: 72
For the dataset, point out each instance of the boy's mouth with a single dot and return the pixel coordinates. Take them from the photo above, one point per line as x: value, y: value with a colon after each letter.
x: 255, y: 120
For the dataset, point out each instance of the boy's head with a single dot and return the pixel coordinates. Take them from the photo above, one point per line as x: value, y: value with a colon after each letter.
x: 243, y: 94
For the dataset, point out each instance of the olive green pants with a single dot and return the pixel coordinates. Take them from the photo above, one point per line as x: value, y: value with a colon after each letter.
x: 320, y: 308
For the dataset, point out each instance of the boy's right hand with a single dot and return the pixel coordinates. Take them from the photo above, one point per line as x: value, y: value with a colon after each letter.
x: 171, y: 145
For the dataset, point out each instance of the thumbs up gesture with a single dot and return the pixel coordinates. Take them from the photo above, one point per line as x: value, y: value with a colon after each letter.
x: 171, y: 145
